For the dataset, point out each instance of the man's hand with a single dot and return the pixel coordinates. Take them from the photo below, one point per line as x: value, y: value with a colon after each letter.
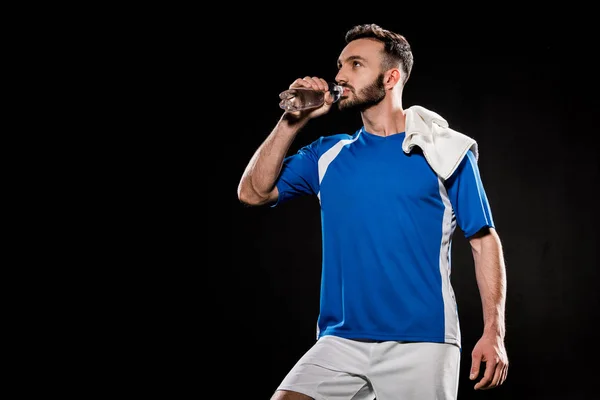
x: 314, y: 83
x: 490, y: 350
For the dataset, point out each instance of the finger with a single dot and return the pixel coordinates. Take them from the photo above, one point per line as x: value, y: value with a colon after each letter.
x: 498, y: 373
x: 504, y: 373
x: 475, y: 364
x: 313, y: 83
x: 300, y: 82
x: 322, y: 83
x: 328, y: 98
x: 484, y: 383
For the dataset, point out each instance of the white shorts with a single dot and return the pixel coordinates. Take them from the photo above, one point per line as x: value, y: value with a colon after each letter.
x: 343, y: 369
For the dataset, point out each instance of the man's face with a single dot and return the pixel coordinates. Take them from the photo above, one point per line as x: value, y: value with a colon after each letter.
x: 360, y: 75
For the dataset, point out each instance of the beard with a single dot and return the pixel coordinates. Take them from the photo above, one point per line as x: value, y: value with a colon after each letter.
x: 367, y: 97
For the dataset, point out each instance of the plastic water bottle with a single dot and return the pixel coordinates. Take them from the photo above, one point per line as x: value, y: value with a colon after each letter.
x: 297, y: 99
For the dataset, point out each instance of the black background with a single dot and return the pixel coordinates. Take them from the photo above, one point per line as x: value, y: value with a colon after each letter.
x: 521, y: 86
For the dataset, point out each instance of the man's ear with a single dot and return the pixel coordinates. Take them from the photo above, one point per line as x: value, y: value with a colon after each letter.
x: 392, y: 78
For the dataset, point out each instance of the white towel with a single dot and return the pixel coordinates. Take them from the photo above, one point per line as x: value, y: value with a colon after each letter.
x: 443, y: 147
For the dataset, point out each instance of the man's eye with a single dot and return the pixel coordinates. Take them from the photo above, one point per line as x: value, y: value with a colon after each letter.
x: 356, y: 64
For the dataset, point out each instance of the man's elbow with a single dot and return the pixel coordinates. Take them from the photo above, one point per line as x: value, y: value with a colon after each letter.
x: 244, y: 195
x: 248, y: 196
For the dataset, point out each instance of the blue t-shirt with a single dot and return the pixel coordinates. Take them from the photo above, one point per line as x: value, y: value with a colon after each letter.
x: 387, y: 222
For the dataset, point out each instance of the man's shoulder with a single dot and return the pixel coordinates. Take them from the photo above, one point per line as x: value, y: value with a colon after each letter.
x: 328, y: 141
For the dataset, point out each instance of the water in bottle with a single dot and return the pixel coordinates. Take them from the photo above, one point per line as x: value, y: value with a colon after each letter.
x: 297, y: 99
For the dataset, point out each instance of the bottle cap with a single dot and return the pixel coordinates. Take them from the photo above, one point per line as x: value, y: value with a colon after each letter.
x: 335, y: 90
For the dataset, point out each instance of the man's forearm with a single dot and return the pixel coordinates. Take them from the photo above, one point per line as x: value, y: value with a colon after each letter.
x: 490, y: 272
x: 261, y: 173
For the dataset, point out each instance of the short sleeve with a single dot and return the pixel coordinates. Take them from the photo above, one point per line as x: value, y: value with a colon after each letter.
x: 468, y: 197
x: 299, y: 174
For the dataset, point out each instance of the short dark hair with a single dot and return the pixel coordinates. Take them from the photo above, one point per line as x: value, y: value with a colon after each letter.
x: 395, y: 46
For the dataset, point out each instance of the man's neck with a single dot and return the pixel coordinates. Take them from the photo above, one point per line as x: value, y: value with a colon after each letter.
x: 384, y: 119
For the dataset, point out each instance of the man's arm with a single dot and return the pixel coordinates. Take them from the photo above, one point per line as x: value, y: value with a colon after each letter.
x: 258, y: 183
x: 490, y: 272
x: 257, y: 186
